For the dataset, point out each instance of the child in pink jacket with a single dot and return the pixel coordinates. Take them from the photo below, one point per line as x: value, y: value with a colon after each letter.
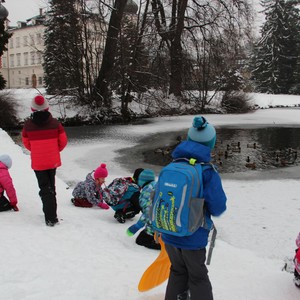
x: 297, y: 263
x: 6, y: 185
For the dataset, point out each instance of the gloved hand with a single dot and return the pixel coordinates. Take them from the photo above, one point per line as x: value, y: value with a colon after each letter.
x: 103, y: 205
x: 15, y: 207
x: 134, y: 228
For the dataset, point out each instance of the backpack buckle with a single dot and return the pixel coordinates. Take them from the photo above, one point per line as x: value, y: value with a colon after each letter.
x: 192, y: 161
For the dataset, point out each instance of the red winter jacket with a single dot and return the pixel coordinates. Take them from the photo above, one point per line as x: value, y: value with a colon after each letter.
x: 44, y: 137
x: 297, y: 261
x: 6, y: 184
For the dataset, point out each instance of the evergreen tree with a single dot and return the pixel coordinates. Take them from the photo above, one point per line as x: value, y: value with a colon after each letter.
x: 4, y: 37
x: 277, y: 52
x: 62, y: 57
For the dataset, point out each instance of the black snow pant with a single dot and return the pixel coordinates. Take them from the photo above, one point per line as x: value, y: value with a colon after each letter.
x: 188, y: 275
x: 135, y: 204
x: 46, y: 182
x: 4, y: 203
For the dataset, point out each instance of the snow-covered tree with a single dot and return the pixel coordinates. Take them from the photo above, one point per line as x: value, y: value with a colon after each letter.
x: 62, y: 57
x: 277, y: 52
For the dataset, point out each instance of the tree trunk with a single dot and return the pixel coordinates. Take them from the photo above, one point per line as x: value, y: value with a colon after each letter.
x: 172, y: 37
x: 176, y: 68
x: 101, y: 92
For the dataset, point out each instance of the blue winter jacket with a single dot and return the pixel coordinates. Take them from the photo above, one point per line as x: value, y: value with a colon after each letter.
x: 214, y: 196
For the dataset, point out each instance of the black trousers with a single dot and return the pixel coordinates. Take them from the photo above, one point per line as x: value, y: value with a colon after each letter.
x: 4, y: 203
x: 46, y: 182
x: 188, y: 273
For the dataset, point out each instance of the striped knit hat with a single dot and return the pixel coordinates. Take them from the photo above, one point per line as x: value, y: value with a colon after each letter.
x: 146, y: 176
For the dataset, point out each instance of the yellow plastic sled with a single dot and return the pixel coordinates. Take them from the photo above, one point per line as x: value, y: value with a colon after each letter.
x: 157, y: 272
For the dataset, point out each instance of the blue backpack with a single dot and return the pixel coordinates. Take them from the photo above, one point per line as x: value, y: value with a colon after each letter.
x: 178, y: 204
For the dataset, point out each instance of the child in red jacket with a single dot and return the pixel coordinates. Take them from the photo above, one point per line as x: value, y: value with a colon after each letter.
x: 7, y: 186
x: 45, y: 137
x: 297, y: 262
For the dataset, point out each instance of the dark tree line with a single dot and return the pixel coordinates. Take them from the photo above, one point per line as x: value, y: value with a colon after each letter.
x: 276, y: 57
x: 171, y: 46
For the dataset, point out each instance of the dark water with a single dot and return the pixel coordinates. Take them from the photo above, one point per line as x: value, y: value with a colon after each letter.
x: 259, y: 148
x: 237, y: 149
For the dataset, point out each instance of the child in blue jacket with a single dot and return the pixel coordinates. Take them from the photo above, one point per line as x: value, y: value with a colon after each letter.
x: 146, y: 236
x: 187, y: 254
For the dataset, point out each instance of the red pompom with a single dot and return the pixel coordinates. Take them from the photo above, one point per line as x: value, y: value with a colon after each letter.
x: 39, y: 100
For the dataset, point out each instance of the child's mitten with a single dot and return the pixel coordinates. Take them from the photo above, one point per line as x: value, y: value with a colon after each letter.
x: 103, y: 205
x: 15, y: 207
x: 134, y: 228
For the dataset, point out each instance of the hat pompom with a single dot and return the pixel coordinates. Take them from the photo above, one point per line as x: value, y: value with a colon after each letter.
x: 39, y: 103
x: 39, y: 100
x: 199, y: 123
x: 101, y: 172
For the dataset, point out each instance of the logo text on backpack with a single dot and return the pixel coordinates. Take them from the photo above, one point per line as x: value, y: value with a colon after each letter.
x: 174, y: 185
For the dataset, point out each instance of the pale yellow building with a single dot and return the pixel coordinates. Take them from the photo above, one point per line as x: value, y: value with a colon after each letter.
x: 21, y: 64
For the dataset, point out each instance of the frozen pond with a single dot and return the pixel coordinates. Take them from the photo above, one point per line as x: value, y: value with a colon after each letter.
x: 247, y: 150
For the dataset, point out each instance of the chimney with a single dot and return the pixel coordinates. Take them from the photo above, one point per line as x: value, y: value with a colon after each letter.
x: 41, y: 12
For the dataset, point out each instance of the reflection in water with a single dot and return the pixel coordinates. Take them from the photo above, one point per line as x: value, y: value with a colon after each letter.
x: 259, y: 148
x: 240, y: 150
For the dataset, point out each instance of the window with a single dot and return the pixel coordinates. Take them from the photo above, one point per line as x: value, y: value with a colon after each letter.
x: 25, y: 58
x: 27, y: 80
x: 3, y: 60
x: 40, y: 80
x: 12, y: 60
x: 39, y: 58
x: 38, y: 38
x: 18, y: 42
x: 32, y: 58
x: 25, y: 41
x: 31, y: 37
x: 11, y: 43
x: 18, y: 59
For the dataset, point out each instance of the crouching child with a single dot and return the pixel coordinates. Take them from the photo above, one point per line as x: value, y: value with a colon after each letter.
x: 7, y: 186
x: 88, y: 193
x: 297, y: 263
x: 146, y: 236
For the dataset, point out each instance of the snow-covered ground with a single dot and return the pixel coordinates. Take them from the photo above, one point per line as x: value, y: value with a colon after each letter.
x: 89, y: 256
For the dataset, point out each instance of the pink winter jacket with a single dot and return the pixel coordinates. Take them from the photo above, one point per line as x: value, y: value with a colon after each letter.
x: 297, y: 256
x: 6, y: 184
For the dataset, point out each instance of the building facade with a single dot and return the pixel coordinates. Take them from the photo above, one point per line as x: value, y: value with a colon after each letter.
x: 21, y: 64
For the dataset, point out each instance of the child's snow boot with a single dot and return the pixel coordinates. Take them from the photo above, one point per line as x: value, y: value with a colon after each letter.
x: 119, y: 216
x: 297, y: 281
